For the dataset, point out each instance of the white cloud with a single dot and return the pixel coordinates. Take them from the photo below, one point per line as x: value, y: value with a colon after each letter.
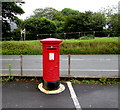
x: 81, y: 5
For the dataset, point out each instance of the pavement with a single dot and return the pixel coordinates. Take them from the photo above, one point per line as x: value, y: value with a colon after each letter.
x: 25, y: 94
x: 80, y: 65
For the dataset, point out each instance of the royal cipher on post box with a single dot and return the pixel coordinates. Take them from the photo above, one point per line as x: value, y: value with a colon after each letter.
x: 51, y: 63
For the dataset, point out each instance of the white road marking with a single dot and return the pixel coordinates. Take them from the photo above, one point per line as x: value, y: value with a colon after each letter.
x: 76, y: 59
x: 94, y: 70
x: 74, y: 97
x: 73, y: 59
x: 90, y: 59
x: 9, y: 59
x: 22, y: 69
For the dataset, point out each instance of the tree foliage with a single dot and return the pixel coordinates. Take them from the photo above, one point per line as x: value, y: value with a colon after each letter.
x: 99, y: 21
x: 114, y: 24
x: 49, y: 13
x: 49, y: 20
x: 68, y: 11
x: 35, y: 26
x: 10, y: 9
x: 9, y: 12
x: 87, y: 21
x: 112, y: 19
x: 69, y: 20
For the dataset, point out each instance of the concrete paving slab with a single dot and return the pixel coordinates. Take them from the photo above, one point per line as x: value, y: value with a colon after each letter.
x: 26, y: 95
x: 97, y: 96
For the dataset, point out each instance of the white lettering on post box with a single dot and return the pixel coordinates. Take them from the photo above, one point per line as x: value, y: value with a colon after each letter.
x: 51, y: 56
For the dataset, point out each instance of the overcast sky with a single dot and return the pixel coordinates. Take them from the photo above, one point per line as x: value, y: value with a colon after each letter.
x: 81, y: 5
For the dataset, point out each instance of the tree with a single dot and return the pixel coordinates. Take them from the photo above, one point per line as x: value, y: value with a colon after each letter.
x: 16, y: 33
x: 78, y: 23
x: 49, y: 13
x: 109, y: 10
x: 87, y: 21
x: 114, y: 25
x: 99, y: 21
x: 68, y: 11
x: 37, y: 26
x: 112, y: 19
x: 9, y: 12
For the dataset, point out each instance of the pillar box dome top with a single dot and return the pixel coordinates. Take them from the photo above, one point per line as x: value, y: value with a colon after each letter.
x: 51, y: 41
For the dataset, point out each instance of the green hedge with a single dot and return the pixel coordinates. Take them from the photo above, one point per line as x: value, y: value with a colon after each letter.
x: 93, y: 46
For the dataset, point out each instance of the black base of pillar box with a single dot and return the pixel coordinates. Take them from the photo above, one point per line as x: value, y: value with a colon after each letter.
x: 51, y: 85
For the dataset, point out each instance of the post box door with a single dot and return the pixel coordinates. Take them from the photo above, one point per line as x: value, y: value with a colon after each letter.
x: 51, y: 64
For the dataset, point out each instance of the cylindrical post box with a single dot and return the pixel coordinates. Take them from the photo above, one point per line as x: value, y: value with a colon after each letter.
x: 51, y: 63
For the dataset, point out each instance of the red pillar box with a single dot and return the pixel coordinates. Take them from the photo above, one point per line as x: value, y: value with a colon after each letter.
x: 51, y: 63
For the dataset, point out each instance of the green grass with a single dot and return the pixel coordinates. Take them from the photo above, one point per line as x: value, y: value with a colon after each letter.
x: 21, y: 47
x: 102, y: 81
x: 93, y: 46
x: 103, y: 45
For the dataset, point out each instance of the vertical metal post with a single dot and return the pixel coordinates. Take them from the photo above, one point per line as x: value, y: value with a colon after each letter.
x: 79, y: 34
x: 50, y: 35
x: 23, y: 36
x: 21, y: 65
x: 69, y: 64
x: 94, y: 33
x: 24, y: 31
x: 37, y: 36
x: 84, y: 33
x: 64, y: 35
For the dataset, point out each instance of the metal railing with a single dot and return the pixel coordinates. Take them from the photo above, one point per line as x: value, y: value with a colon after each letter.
x: 21, y: 69
x: 65, y: 35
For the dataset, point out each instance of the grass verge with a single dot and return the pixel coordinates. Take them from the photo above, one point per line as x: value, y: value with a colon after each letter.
x: 103, y: 45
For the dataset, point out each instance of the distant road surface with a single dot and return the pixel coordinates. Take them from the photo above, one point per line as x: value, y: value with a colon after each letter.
x: 81, y: 65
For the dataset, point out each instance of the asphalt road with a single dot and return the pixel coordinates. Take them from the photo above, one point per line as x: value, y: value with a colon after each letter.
x: 26, y: 95
x: 81, y: 65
